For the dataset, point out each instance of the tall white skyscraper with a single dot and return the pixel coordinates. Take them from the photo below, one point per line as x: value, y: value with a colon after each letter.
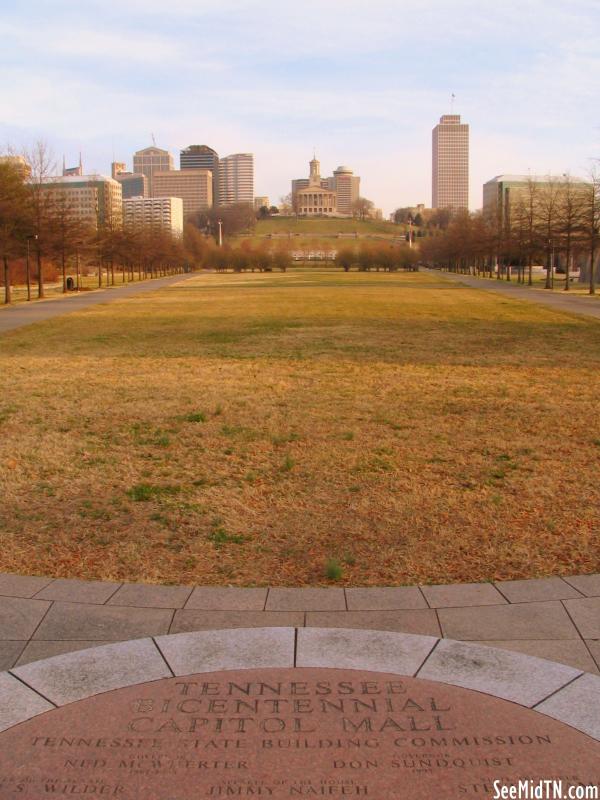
x: 450, y: 172
x: 236, y: 179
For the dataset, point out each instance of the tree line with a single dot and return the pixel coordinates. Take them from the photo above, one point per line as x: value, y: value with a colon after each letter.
x: 554, y: 223
x: 378, y: 256
x: 42, y: 235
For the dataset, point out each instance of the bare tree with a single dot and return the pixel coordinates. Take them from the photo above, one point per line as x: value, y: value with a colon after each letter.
x: 14, y: 219
x: 362, y: 208
x: 286, y: 205
x: 548, y: 210
x: 591, y: 223
x: 570, y: 221
x: 70, y: 233
x: 42, y: 165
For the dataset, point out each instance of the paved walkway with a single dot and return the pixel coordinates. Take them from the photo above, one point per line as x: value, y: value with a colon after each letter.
x: 27, y: 313
x: 552, y: 618
x: 585, y: 305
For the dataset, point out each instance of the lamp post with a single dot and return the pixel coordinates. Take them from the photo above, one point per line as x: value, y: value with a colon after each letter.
x: 220, y: 224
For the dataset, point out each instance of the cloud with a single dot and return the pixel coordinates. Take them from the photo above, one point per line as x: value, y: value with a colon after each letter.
x: 365, y: 84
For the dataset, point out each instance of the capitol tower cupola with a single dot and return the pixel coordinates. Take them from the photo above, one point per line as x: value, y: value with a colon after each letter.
x: 315, y: 170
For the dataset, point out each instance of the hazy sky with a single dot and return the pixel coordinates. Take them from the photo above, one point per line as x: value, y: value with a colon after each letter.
x: 362, y: 82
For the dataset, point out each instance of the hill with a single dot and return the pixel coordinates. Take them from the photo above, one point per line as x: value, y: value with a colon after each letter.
x: 291, y: 226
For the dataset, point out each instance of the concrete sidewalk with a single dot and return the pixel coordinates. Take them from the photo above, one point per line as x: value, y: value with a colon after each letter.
x: 38, y: 311
x: 554, y: 618
x: 586, y: 305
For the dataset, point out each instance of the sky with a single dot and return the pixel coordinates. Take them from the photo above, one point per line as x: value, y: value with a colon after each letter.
x: 363, y: 83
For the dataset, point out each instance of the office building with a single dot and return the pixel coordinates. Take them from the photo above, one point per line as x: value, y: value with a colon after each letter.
x: 151, y: 160
x: 261, y: 202
x: 236, y: 179
x: 302, y: 183
x: 116, y: 168
x: 71, y: 171
x: 450, y: 163
x: 193, y: 186
x: 95, y: 199
x: 201, y: 156
x: 504, y: 192
x: 133, y: 184
x: 346, y: 186
x: 154, y: 213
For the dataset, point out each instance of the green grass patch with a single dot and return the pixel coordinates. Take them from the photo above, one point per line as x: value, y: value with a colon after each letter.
x: 144, y: 492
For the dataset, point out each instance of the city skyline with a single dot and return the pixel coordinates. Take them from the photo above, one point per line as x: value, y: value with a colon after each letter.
x: 364, y: 91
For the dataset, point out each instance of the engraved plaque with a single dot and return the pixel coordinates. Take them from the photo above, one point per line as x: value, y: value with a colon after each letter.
x: 289, y: 733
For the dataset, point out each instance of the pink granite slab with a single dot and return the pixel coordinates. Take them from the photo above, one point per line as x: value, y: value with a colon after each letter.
x: 289, y: 733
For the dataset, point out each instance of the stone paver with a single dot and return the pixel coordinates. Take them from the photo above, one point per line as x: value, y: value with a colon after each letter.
x: 108, y: 623
x: 586, y: 615
x: 217, y: 598
x: 136, y: 594
x: 75, y: 591
x: 577, y: 705
x: 9, y: 653
x: 359, y: 649
x: 21, y: 585
x: 462, y: 594
x: 538, y: 590
x: 37, y: 650
x: 306, y: 600
x: 19, y: 617
x: 420, y: 621
x: 74, y: 676
x: 24, y: 703
x: 525, y: 621
x: 511, y: 676
x: 195, y: 620
x: 208, y: 651
x: 593, y: 646
x: 565, y: 651
x: 515, y: 618
x: 385, y: 598
x: 589, y: 585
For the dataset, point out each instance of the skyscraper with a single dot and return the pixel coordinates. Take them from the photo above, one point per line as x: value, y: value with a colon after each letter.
x: 133, y: 184
x: 151, y: 160
x: 450, y: 173
x: 154, y: 213
x: 347, y: 188
x: 236, y: 179
x: 96, y: 199
x: 200, y: 156
x: 194, y: 186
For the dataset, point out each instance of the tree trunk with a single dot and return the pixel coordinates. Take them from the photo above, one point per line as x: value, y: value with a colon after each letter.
x: 41, y: 293
x: 548, y: 270
x: 64, y: 271
x: 7, y: 286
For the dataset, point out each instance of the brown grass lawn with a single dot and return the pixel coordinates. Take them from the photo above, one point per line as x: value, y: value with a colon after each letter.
x: 245, y: 430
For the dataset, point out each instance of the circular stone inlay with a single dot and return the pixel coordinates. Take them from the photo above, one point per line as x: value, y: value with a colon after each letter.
x: 289, y: 733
